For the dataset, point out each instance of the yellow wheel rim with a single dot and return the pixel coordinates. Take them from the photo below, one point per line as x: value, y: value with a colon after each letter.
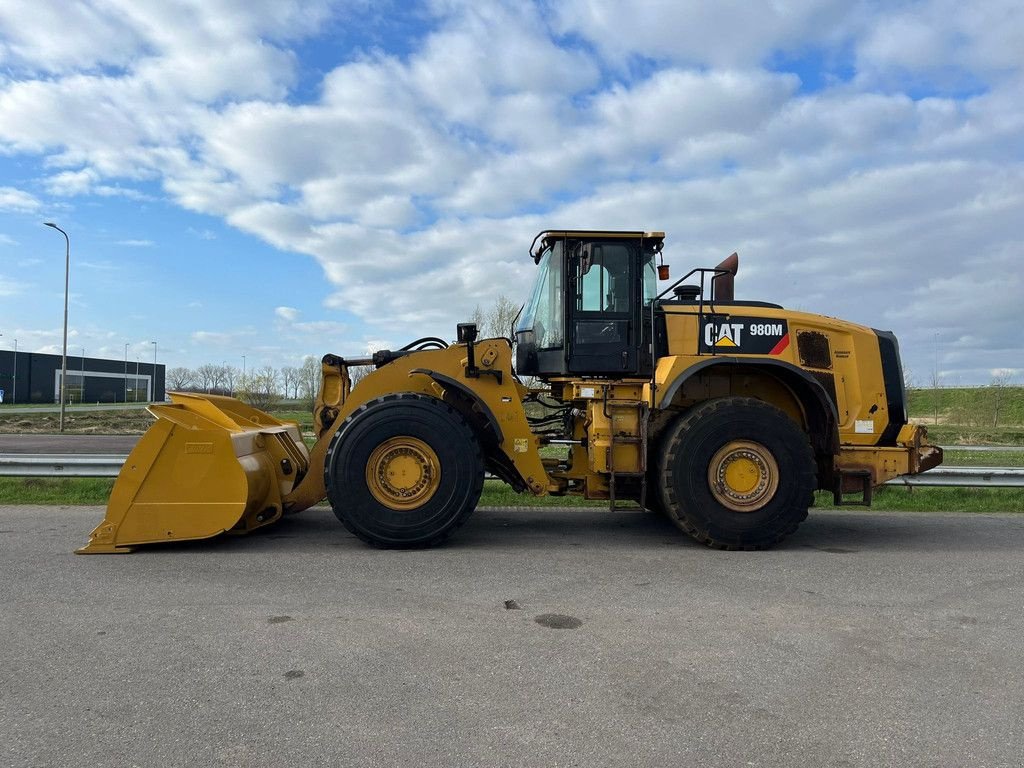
x: 743, y: 476
x: 403, y: 473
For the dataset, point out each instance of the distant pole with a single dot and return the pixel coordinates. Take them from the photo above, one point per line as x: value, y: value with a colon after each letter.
x: 135, y: 399
x: 242, y: 382
x: 14, y: 393
x: 64, y: 355
x: 152, y: 381
x: 126, y: 374
x: 81, y: 399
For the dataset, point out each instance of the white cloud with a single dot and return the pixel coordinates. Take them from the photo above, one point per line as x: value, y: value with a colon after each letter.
x: 415, y: 178
x: 12, y: 199
x: 224, y: 339
x: 726, y: 34
x: 328, y: 331
x: 10, y: 287
x: 945, y: 42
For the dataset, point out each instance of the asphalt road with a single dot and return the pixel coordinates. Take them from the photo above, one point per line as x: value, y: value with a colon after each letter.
x: 867, y: 640
x: 64, y: 444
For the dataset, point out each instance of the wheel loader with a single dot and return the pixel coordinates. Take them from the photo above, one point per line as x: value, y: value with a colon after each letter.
x: 724, y: 415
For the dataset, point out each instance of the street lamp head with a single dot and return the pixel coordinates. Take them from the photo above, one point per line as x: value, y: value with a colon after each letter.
x: 50, y: 224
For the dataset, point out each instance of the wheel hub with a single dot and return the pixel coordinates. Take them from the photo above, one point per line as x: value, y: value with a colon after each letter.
x: 743, y: 476
x: 403, y: 473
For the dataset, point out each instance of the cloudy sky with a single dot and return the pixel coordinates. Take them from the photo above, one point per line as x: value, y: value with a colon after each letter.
x: 275, y: 178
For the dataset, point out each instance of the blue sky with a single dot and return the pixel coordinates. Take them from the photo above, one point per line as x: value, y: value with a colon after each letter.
x: 279, y: 179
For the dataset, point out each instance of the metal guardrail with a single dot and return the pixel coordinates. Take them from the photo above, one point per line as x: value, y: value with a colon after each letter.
x: 965, y: 477
x: 985, y: 448
x: 105, y: 465
x: 55, y: 465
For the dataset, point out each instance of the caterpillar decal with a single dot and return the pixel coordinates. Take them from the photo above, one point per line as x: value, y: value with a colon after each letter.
x: 743, y: 335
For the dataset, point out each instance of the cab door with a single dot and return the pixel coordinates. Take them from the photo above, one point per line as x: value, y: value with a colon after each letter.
x: 603, y: 308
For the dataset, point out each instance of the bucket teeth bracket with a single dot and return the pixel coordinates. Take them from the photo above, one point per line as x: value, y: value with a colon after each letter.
x: 101, y: 542
x: 104, y: 549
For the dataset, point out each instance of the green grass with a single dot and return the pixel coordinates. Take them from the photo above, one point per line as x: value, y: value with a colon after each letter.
x: 954, y: 458
x: 970, y: 415
x: 893, y: 499
x: 90, y: 491
x: 953, y: 434
x: 94, y: 492
x: 304, y: 418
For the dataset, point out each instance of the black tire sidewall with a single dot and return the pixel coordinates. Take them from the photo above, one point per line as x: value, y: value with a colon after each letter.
x: 687, y: 492
x: 459, y: 459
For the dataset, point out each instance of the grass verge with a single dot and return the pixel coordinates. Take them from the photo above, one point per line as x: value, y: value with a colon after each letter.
x: 55, y: 490
x: 94, y: 492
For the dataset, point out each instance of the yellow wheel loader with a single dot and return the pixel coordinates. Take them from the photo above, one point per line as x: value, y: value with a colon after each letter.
x: 724, y: 415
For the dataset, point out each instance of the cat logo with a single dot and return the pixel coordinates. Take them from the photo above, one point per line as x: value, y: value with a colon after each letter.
x: 723, y: 334
x: 743, y: 335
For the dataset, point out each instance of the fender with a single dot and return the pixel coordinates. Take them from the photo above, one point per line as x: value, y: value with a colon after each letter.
x: 487, y: 426
x: 491, y: 429
x: 824, y: 420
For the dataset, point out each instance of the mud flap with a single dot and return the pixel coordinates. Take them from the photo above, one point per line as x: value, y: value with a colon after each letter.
x: 208, y: 465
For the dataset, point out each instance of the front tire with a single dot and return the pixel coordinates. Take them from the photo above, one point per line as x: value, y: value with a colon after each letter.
x: 736, y: 473
x: 404, y: 470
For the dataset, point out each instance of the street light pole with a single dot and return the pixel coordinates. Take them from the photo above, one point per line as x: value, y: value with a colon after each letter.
x: 64, y: 355
x: 126, y: 374
x: 81, y: 397
x: 152, y: 381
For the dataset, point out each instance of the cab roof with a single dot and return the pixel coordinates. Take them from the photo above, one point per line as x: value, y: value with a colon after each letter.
x: 548, y: 236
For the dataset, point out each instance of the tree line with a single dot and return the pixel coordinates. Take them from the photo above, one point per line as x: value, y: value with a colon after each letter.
x: 265, y: 387
x: 262, y: 387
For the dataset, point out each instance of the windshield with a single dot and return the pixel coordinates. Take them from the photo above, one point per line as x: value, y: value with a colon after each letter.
x: 543, y: 313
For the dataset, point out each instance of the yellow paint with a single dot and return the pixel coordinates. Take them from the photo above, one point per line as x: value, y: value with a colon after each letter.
x: 212, y: 464
x: 208, y: 465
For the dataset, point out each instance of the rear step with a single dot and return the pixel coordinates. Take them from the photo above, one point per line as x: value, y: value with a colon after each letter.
x: 866, y: 489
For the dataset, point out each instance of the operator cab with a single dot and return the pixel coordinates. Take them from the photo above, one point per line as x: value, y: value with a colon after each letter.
x: 587, y: 311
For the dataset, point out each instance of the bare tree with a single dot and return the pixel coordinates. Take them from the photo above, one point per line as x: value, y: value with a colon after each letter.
x: 496, y: 321
x: 936, y: 381
x: 228, y: 377
x: 290, y: 378
x: 359, y: 372
x: 309, y: 384
x: 908, y: 379
x: 261, y: 389
x: 207, y: 376
x: 1001, y: 379
x: 180, y: 378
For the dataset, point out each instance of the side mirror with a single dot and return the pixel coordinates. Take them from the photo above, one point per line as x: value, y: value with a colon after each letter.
x: 583, y: 250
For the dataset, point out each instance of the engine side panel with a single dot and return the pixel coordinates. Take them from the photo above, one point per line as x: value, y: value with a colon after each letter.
x: 843, y: 358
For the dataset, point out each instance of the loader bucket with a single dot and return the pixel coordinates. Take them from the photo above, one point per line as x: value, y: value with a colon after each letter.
x: 209, y: 464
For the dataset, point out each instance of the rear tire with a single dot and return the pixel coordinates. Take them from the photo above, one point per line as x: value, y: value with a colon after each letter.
x: 736, y: 473
x: 404, y: 470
